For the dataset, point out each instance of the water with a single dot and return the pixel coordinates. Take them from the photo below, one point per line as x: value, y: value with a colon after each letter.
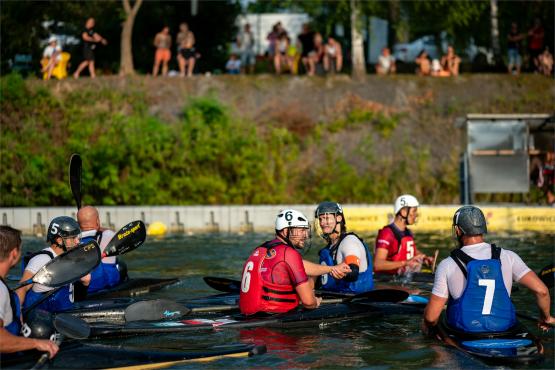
x: 392, y: 342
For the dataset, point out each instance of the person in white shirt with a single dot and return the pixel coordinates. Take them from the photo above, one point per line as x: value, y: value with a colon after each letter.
x: 52, y: 55
x: 386, y: 63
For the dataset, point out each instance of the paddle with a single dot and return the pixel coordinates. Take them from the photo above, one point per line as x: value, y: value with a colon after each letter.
x: 153, y: 310
x: 67, y: 326
x: 547, y: 275
x: 130, y: 237
x: 223, y: 284
x: 436, y: 253
x: 67, y: 267
x: 75, y: 171
x: 377, y: 295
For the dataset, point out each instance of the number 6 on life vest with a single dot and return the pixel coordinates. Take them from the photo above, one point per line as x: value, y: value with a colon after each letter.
x: 246, y: 280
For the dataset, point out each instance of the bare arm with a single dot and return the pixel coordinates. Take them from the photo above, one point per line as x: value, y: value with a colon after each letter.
x: 543, y: 300
x: 314, y: 270
x: 10, y: 343
x: 432, y: 312
x: 306, y: 294
x: 382, y: 264
x: 21, y: 292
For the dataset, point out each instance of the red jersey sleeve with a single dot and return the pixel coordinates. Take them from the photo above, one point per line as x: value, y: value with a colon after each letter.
x: 295, y: 267
x: 386, y: 239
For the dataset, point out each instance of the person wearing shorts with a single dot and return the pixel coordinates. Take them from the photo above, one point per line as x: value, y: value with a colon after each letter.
x: 162, y: 42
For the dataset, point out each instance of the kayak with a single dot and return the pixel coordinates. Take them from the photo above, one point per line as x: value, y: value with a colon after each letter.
x: 416, y: 277
x: 319, y: 317
x: 77, y: 355
x: 133, y: 287
x: 516, y: 346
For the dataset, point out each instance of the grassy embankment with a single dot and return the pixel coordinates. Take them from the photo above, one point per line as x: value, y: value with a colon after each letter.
x: 247, y: 140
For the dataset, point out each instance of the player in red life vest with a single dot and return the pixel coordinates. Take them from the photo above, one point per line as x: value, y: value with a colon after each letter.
x: 395, y: 248
x: 274, y: 279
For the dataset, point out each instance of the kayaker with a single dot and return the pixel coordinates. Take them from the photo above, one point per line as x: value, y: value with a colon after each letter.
x: 62, y: 234
x: 10, y: 313
x: 476, y: 280
x: 274, y: 279
x: 343, y: 248
x: 107, y: 274
x: 396, y: 251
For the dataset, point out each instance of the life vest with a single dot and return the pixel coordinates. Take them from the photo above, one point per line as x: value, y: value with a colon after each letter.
x: 485, y: 304
x: 259, y: 295
x: 15, y: 326
x: 105, y: 275
x: 59, y: 300
x: 365, y: 281
x: 406, y: 248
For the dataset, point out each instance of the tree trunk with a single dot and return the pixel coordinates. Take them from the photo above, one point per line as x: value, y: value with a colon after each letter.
x: 494, y: 29
x: 126, y: 61
x: 357, y: 47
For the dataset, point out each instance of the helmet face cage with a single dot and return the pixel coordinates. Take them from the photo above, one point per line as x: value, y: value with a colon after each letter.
x: 64, y: 227
x: 334, y: 209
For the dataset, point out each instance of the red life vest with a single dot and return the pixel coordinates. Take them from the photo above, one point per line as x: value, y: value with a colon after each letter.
x: 259, y: 295
x: 403, y: 247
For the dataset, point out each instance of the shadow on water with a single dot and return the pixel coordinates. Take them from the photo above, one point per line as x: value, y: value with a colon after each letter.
x: 392, y: 342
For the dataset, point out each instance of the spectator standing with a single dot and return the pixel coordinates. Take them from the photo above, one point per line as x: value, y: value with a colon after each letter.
x: 317, y: 54
x: 272, y: 38
x: 514, y: 39
x: 233, y: 65
x: 245, y: 43
x: 386, y: 63
x: 162, y: 42
x: 186, y: 50
x: 333, y: 56
x: 536, y: 36
x: 90, y: 40
x: 423, y: 63
x: 545, y: 60
x: 281, y: 58
x: 52, y: 55
x: 306, y: 44
x: 450, y: 62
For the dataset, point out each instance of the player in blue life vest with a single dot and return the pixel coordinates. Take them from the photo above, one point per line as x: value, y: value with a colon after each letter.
x: 63, y: 234
x: 476, y: 280
x: 11, y: 340
x: 343, y: 248
x: 107, y: 273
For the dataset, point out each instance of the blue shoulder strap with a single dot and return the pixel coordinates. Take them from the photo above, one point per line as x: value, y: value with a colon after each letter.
x: 462, y: 259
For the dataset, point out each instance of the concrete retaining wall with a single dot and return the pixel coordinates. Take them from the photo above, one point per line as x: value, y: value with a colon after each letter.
x: 250, y: 218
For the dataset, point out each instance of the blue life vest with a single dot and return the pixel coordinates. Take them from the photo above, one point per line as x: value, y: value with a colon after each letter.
x: 365, y: 281
x: 15, y: 326
x: 105, y: 275
x: 485, y: 304
x: 59, y: 299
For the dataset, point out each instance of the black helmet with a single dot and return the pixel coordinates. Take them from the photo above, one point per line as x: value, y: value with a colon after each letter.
x: 38, y: 324
x: 328, y: 207
x: 470, y: 220
x: 62, y: 226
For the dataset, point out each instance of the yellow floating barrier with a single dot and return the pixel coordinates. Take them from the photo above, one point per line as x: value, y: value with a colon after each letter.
x: 156, y: 228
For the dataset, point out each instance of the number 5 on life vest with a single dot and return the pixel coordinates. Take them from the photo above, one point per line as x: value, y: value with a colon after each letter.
x: 246, y: 280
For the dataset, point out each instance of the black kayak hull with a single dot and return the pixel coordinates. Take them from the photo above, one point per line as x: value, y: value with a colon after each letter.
x: 132, y: 288
x: 75, y: 355
x: 516, y: 346
x: 319, y: 317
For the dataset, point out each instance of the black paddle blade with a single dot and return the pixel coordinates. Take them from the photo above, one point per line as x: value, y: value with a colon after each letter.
x: 381, y: 295
x: 71, y: 326
x: 547, y: 275
x: 75, y: 170
x: 128, y: 238
x: 69, y: 266
x: 154, y: 310
x: 223, y: 284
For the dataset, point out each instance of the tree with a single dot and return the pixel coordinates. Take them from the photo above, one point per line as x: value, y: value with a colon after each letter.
x: 126, y: 62
x: 357, y: 48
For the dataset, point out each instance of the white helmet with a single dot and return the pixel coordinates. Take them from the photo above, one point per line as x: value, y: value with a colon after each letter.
x: 290, y: 218
x: 405, y: 200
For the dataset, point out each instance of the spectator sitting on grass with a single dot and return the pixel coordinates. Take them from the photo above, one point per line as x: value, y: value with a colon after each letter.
x: 450, y: 62
x: 51, y: 57
x: 386, y: 63
x: 333, y: 56
x: 233, y: 65
x: 545, y: 62
x: 423, y: 63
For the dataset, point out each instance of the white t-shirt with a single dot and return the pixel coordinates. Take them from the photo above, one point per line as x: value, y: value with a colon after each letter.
x: 386, y: 61
x: 35, y: 264
x: 450, y: 279
x: 49, y: 50
x: 107, y: 235
x: 6, y: 314
x: 351, y: 246
x: 247, y: 41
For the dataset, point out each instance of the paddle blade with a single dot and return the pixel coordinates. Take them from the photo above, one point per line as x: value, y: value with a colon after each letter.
x: 223, y: 284
x: 547, y: 275
x: 128, y: 238
x: 154, y: 310
x: 69, y: 266
x: 71, y: 326
x: 75, y: 170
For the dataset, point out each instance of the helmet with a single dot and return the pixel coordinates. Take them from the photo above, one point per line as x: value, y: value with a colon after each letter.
x: 328, y: 207
x: 405, y: 200
x: 291, y: 218
x: 38, y: 324
x: 470, y: 220
x: 62, y: 226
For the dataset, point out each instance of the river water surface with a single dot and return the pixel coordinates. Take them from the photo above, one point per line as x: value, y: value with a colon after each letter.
x: 389, y: 342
